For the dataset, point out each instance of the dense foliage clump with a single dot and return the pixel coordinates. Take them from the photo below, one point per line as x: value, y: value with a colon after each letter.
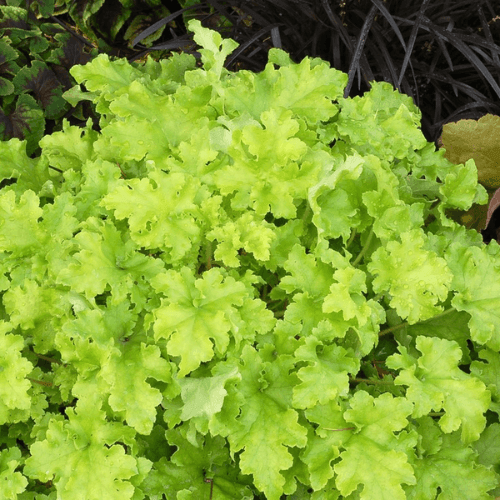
x: 244, y: 285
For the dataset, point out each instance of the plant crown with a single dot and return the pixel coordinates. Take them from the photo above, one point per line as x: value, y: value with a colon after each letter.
x: 244, y: 286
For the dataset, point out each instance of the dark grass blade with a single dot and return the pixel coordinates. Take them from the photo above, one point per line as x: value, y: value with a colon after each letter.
x: 156, y: 26
x: 413, y: 37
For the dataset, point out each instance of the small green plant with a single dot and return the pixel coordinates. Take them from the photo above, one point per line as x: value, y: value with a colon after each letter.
x: 244, y: 286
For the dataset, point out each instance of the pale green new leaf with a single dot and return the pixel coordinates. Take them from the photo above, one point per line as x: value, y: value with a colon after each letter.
x: 347, y: 295
x: 436, y: 383
x: 374, y: 456
x: 415, y: 278
x: 204, y: 396
x: 215, y: 49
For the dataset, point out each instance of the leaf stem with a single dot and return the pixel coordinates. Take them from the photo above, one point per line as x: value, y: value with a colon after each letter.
x: 40, y: 382
x: 364, y: 249
x: 209, y: 255
x: 351, y: 239
x: 370, y: 381
x: 405, y: 323
x: 46, y: 358
x: 306, y: 212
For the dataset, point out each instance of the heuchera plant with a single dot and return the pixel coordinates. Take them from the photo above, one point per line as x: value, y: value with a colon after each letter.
x: 244, y: 286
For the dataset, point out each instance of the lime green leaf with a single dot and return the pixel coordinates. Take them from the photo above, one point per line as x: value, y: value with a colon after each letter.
x: 109, y: 352
x: 102, y: 75
x: 38, y: 309
x: 326, y: 375
x: 14, y: 386
x: 477, y: 280
x: 460, y: 186
x: 99, y: 178
x: 247, y: 232
x: 130, y: 394
x: 306, y: 273
x: 454, y: 471
x: 382, y: 122
x: 347, y: 295
x: 385, y: 194
x: 436, y: 383
x: 19, y: 229
x: 394, y: 220
x: 451, y: 326
x: 73, y: 450
x: 215, y: 49
x: 267, y: 425
x: 274, y: 187
x: 194, y: 312
x: 204, y: 396
x: 318, y: 456
x: 195, y: 469
x: 71, y: 147
x: 13, y: 483
x: 156, y: 213
x: 488, y: 448
x: 31, y: 174
x: 59, y: 221
x: 323, y: 446
x: 489, y: 374
x: 104, y: 258
x: 307, y: 89
x: 416, y: 278
x: 374, y: 456
x: 335, y: 200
